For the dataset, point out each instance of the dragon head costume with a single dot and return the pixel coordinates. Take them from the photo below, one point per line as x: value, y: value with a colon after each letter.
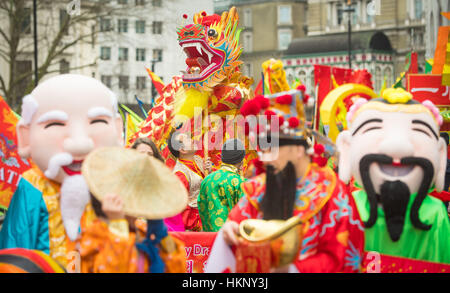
x: 211, y: 44
x: 212, y: 82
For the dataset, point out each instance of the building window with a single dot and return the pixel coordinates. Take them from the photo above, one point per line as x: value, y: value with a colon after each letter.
x: 140, y: 26
x: 356, y: 14
x: 105, y: 53
x: 123, y: 54
x: 302, y: 76
x: 141, y: 82
x: 248, y: 69
x: 124, y: 82
x: 248, y: 42
x: 157, y: 55
x: 417, y: 38
x: 26, y: 21
x: 284, y: 14
x: 64, y: 21
x: 157, y: 27
x: 418, y: 9
x: 156, y: 3
x: 248, y: 17
x: 105, y: 25
x: 122, y: 1
x: 140, y: 2
x: 123, y: 25
x: 284, y: 39
x: 368, y: 11
x: 378, y: 78
x: 388, y: 76
x: 64, y: 66
x: 106, y: 80
x: 140, y: 54
x: 339, y: 14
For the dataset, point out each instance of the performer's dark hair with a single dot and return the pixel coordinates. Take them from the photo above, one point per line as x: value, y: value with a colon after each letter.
x: 97, y: 207
x: 151, y: 144
x: 173, y: 150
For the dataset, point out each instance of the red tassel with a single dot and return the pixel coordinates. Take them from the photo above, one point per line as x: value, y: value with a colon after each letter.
x: 305, y: 98
x: 319, y: 149
x: 284, y: 99
x: 185, y: 16
x: 250, y: 107
x: 203, y: 13
x: 321, y: 161
x: 293, y: 122
x: 269, y: 114
x: 301, y: 88
x: 280, y: 120
x: 264, y: 102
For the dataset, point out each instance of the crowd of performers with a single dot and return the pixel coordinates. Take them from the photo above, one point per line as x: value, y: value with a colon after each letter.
x: 115, y: 206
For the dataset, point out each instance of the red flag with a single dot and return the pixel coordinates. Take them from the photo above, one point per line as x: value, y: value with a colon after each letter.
x: 324, y: 83
x: 259, y: 88
x: 157, y: 82
x: 11, y: 165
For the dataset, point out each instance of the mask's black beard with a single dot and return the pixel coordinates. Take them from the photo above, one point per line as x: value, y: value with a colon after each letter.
x: 279, y: 198
x: 394, y: 198
x: 395, y: 195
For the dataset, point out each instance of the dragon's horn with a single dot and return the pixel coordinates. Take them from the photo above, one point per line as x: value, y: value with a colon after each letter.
x: 223, y: 19
x: 232, y: 15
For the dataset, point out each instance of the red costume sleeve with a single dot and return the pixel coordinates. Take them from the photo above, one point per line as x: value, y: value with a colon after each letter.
x: 341, y: 238
x: 183, y: 179
x: 246, y: 208
x: 242, y: 211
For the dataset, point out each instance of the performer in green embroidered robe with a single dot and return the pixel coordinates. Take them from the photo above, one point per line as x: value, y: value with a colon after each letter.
x: 221, y: 190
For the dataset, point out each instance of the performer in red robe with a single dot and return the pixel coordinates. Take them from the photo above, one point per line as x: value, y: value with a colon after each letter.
x: 190, y: 174
x: 333, y: 235
x: 298, y: 183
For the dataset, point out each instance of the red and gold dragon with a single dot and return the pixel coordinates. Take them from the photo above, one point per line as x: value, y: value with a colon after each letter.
x: 212, y: 81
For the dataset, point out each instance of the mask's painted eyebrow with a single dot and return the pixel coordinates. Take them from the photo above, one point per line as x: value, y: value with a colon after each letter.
x: 366, y: 122
x: 53, y: 115
x: 426, y: 125
x: 99, y: 111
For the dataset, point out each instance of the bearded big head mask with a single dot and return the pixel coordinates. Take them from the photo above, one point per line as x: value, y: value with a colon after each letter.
x: 393, y: 150
x: 63, y: 119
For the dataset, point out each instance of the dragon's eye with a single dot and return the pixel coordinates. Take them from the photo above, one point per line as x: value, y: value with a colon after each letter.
x: 212, y: 33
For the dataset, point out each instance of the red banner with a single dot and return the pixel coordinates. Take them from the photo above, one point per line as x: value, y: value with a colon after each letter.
x: 375, y: 262
x: 198, y: 246
x: 429, y: 87
x: 11, y: 165
x: 324, y: 83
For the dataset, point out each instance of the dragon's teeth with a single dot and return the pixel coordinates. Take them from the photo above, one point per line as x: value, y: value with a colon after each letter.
x: 209, y: 56
x: 199, y: 48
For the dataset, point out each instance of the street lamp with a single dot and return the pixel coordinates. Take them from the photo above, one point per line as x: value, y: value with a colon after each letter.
x: 349, y: 9
x: 36, y: 76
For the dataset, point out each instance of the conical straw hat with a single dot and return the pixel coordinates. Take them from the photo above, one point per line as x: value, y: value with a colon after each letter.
x: 148, y: 188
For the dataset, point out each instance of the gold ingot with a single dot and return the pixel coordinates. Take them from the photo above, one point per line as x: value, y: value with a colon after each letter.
x: 284, y: 234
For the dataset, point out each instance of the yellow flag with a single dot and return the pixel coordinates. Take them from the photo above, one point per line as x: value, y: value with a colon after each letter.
x: 131, y: 127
